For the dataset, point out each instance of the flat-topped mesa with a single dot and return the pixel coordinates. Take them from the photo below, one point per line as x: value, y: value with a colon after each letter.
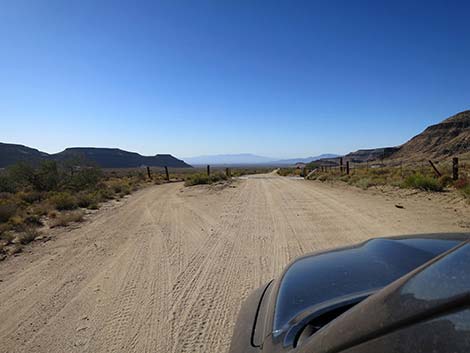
x: 102, y: 157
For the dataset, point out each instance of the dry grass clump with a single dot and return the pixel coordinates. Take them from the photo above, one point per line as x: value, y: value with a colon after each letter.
x: 7, y: 210
x: 289, y: 172
x: 200, y: 179
x: 28, y: 235
x: 463, y: 186
x: 65, y: 218
x: 63, y: 201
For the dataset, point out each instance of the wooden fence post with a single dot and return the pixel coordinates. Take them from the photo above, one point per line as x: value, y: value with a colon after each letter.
x: 347, y: 167
x: 167, y: 174
x: 438, y: 173
x: 227, y: 172
x: 148, y: 172
x: 341, y: 164
x: 208, y: 170
x: 455, y: 168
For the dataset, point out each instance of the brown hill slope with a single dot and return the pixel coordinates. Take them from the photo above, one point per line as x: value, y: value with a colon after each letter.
x: 447, y: 139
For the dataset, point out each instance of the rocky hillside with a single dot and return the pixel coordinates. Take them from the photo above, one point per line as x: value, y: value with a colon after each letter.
x: 371, y: 154
x: 103, y: 157
x: 447, y: 139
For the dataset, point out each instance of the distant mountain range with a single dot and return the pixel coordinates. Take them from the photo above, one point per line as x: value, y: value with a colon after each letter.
x: 103, y: 157
x: 450, y: 137
x: 305, y: 160
x: 228, y: 159
x: 250, y: 159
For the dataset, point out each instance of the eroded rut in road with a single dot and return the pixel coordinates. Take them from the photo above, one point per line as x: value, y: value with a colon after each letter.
x: 167, y: 270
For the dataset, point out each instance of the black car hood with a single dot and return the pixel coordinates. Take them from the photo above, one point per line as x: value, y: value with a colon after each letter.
x: 319, y: 283
x: 317, y: 288
x: 440, y: 288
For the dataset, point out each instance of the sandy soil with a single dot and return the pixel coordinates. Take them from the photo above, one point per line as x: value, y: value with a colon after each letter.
x: 167, y: 269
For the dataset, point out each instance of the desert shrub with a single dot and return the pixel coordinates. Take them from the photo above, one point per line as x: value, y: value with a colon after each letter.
x: 445, y: 181
x: 22, y: 174
x: 104, y: 195
x: 7, y: 237
x: 85, y: 199
x: 42, y: 208
x: 217, y: 177
x: 33, y: 220
x: 47, y: 177
x: 285, y: 171
x: 379, y: 171
x: 44, y: 178
x: 7, y: 184
x: 6, y: 195
x: 461, y: 183
x: 197, y: 179
x: 465, y: 191
x: 7, y: 210
x: 85, y: 179
x: 63, y: 219
x: 119, y: 186
x: 16, y: 221
x: 31, y: 196
x: 364, y: 183
x: 28, y: 235
x: 63, y: 201
x: 200, y: 178
x: 422, y: 182
x: 14, y: 249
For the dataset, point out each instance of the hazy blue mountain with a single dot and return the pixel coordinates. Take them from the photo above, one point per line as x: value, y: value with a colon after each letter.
x: 305, y: 160
x: 220, y: 159
x: 248, y: 158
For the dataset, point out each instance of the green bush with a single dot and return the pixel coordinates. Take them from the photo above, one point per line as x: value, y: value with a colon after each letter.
x: 86, y: 200
x: 445, y: 181
x: 422, y: 182
x: 197, y: 179
x: 105, y: 195
x: 217, y: 177
x: 31, y: 196
x: 119, y: 186
x: 7, y: 184
x: 364, y: 183
x: 7, y: 210
x: 85, y: 179
x: 47, y: 177
x: 63, y: 201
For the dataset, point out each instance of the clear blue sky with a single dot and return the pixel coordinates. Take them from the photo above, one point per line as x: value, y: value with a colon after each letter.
x: 275, y: 78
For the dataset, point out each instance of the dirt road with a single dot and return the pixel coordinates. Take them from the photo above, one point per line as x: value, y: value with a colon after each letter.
x: 167, y: 269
